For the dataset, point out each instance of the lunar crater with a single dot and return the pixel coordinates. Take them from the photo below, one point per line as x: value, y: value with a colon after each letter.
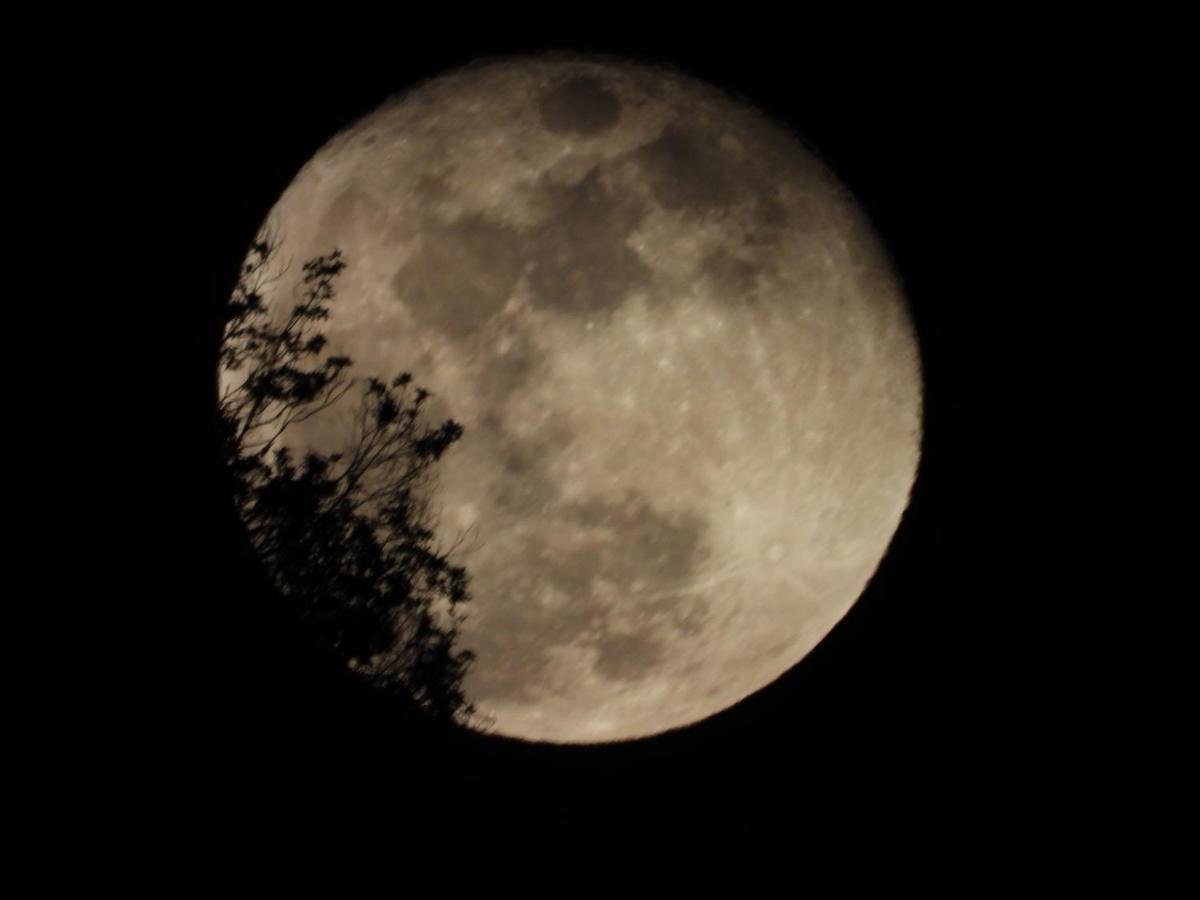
x: 581, y: 105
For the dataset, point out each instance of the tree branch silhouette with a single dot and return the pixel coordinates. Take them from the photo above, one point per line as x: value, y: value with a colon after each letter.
x: 347, y: 537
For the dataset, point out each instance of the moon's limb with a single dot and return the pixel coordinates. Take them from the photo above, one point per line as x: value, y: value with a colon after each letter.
x: 687, y: 376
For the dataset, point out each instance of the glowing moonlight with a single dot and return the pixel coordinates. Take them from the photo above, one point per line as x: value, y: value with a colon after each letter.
x: 689, y: 385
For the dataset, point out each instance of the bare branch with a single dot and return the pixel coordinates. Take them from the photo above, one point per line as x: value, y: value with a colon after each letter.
x: 347, y: 536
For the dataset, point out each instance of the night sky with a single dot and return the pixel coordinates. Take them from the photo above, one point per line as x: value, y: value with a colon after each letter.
x: 906, y: 712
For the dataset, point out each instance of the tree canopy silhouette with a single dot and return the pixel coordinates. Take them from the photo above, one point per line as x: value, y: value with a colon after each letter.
x: 347, y: 537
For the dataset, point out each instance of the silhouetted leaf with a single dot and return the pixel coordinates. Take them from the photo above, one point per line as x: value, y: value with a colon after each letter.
x: 343, y: 535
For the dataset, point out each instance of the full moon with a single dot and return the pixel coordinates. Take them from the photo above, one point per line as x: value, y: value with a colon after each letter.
x: 685, y: 369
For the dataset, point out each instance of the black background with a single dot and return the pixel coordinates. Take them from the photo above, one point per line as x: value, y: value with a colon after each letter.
x: 915, y: 721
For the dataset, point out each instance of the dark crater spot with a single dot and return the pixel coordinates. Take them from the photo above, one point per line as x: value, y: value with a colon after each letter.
x: 577, y: 260
x: 522, y: 458
x: 582, y: 264
x: 507, y: 372
x: 527, y: 490
x: 461, y: 275
x: 581, y: 106
x: 638, y: 540
x: 687, y: 170
x: 346, y: 208
x: 771, y: 209
x: 627, y: 657
x: 525, y: 487
x: 734, y: 278
x: 592, y: 551
x: 431, y: 188
x: 491, y: 423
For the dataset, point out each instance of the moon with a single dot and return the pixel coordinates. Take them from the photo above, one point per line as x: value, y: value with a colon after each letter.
x: 685, y: 367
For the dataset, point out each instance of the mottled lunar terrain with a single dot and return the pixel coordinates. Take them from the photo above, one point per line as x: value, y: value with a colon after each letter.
x: 689, y: 384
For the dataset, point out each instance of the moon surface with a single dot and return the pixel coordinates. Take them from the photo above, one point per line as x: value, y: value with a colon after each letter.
x: 686, y: 372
